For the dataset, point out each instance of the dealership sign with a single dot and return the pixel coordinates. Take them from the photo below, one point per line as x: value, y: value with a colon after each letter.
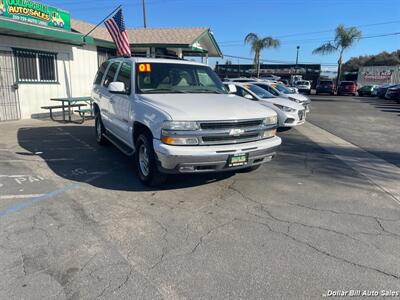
x: 384, y: 75
x: 35, y: 13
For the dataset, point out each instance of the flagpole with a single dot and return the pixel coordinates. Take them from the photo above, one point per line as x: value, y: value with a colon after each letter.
x: 119, y: 6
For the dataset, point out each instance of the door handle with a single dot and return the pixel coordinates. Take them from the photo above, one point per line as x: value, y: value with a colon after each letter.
x: 112, y: 101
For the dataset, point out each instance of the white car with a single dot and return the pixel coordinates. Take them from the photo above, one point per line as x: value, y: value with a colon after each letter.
x: 283, y: 92
x: 176, y: 116
x: 241, y: 79
x: 289, y: 113
x: 304, y: 86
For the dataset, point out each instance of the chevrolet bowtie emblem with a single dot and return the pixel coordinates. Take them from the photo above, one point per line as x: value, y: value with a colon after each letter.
x: 236, y: 131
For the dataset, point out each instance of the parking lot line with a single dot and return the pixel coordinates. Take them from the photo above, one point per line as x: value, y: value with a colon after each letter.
x: 383, y: 174
x: 6, y: 197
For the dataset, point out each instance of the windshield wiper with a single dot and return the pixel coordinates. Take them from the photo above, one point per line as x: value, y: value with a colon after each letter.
x: 162, y: 91
x: 204, y: 91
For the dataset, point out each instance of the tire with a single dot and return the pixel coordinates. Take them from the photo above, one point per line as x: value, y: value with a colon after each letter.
x: 146, y: 162
x: 100, y: 131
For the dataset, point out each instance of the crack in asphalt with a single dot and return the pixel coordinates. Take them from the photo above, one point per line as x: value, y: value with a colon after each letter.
x: 339, y: 212
x: 287, y: 234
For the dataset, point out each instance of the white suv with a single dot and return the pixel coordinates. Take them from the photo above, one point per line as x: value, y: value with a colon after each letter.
x: 176, y: 116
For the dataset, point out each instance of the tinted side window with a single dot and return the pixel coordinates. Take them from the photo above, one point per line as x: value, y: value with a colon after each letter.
x: 124, y: 75
x: 110, y: 74
x: 100, y: 73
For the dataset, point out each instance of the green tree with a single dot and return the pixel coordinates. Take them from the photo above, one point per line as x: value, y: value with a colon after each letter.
x: 344, y: 39
x: 257, y: 45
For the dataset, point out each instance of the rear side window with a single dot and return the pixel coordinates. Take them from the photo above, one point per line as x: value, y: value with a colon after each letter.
x: 110, y: 74
x: 100, y: 73
x: 124, y: 75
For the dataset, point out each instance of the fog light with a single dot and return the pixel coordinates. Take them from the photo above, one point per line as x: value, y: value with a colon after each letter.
x: 269, y: 133
x: 169, y: 140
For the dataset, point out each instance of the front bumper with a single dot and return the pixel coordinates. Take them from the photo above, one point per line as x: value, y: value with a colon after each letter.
x: 325, y: 90
x: 293, y: 119
x: 200, y: 159
x: 304, y: 91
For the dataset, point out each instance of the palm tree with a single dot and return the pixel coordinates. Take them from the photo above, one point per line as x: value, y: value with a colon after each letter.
x: 344, y: 39
x: 257, y: 45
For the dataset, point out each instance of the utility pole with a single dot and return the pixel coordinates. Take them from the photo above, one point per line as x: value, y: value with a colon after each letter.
x: 297, y: 56
x: 144, y: 14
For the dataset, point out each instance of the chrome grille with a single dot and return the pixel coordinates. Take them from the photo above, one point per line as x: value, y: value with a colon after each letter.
x: 301, y: 114
x: 232, y: 132
x: 230, y: 124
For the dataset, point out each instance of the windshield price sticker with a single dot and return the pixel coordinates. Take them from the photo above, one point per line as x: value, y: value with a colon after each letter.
x: 144, y: 68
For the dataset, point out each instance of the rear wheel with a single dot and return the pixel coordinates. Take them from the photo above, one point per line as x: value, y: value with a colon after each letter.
x: 146, y: 165
x: 100, y: 131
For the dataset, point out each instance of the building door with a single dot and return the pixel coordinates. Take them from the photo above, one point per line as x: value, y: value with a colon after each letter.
x: 9, y: 104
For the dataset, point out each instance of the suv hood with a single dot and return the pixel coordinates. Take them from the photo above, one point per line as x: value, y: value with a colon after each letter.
x: 207, y: 107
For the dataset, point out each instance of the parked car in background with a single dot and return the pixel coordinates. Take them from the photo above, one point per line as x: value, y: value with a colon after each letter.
x: 176, y: 116
x: 381, y: 92
x: 347, y: 88
x: 374, y: 92
x: 241, y: 79
x: 304, y: 86
x: 366, y: 90
x: 270, y: 77
x: 279, y: 90
x: 325, y: 87
x: 289, y: 113
x: 284, y: 81
x: 393, y: 93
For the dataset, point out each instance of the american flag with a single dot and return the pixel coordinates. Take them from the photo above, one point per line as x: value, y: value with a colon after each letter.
x: 116, y: 28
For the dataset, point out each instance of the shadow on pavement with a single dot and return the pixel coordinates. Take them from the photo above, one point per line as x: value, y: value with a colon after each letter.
x: 71, y: 152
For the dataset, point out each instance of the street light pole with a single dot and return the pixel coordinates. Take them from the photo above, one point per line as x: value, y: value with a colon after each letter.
x: 144, y: 14
x: 297, y: 56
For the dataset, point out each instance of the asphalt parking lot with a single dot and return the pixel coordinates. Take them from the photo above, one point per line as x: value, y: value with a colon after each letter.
x: 77, y: 224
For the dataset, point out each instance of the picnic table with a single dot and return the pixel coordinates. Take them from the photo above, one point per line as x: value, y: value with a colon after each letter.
x: 70, y: 102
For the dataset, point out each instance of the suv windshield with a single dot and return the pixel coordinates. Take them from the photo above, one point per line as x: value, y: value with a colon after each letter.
x: 154, y: 78
x: 283, y: 89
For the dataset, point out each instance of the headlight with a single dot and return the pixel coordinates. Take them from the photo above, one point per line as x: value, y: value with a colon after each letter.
x: 180, y: 125
x: 271, y: 120
x: 294, y: 99
x: 285, y: 108
x: 170, y: 136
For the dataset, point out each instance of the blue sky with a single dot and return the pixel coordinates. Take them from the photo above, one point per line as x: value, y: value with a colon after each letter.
x: 306, y: 23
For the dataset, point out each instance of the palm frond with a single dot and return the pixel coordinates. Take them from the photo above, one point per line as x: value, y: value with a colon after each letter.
x: 326, y: 48
x: 251, y: 38
x: 346, y: 37
x: 270, y: 42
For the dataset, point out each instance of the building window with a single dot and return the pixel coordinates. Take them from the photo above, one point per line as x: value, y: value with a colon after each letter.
x: 35, y: 66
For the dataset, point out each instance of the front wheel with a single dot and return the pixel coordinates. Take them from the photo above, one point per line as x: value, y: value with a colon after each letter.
x: 100, y: 131
x: 145, y: 160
